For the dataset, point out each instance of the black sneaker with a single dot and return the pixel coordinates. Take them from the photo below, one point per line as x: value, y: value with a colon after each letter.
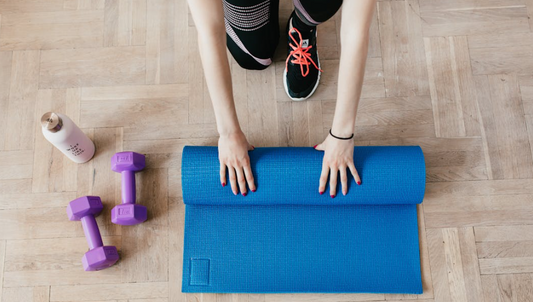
x: 302, y: 67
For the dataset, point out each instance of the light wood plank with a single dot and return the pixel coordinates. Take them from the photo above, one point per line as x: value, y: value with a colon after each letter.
x: 8, y: 6
x: 50, y: 269
x: 472, y: 280
x: 134, y: 107
x: 284, y: 123
x: 262, y: 107
x: 473, y: 17
x: 166, y: 42
x: 523, y: 287
x: 2, y: 259
x: 323, y: 297
x: 72, y: 110
x: 48, y: 160
x: 22, y: 96
x: 145, y: 248
x: 402, y: 47
x: 176, y: 221
x: 92, y: 67
x: 328, y: 45
x: 240, y: 94
x: 454, y: 264
x: 16, y: 164
x: 373, y: 84
x: 125, y: 22
x: 508, y: 287
x: 505, y: 59
x: 105, y: 182
x: 27, y: 294
x: 504, y: 233
x: 506, y: 265
x: 315, y: 122
x: 494, y: 40
x: 83, y: 4
x: 196, y: 80
x: 526, y: 92
x: 36, y: 255
x: 5, y: 84
x: 505, y: 249
x: 86, y: 172
x: 505, y: 287
x: 452, y: 87
x: 427, y: 282
x: 14, y: 186
x: 490, y: 287
x: 38, y: 223
x: 476, y: 203
x: 299, y: 125
x: 35, y: 200
x: 437, y: 260
x: 501, y: 110
x: 51, y: 30
x: 117, y: 291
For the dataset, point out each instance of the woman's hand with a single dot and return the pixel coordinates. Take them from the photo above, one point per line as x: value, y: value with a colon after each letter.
x: 233, y: 155
x: 338, y: 157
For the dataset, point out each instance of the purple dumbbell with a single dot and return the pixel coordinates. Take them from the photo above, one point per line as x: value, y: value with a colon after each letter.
x: 99, y: 256
x: 128, y: 213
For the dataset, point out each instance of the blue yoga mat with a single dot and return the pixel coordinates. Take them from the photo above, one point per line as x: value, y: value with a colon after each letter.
x: 286, y: 238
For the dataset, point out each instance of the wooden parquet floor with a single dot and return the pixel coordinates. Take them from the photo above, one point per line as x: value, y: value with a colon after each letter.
x: 453, y: 76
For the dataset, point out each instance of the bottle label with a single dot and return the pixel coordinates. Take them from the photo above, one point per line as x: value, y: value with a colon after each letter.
x: 75, y: 150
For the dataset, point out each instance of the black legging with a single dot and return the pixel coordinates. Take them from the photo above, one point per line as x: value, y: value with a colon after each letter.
x: 252, y: 29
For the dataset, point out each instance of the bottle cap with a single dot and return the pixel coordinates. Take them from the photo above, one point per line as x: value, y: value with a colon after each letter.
x: 51, y: 122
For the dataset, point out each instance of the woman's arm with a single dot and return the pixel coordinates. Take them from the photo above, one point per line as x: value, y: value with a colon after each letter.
x: 338, y: 155
x: 233, y: 147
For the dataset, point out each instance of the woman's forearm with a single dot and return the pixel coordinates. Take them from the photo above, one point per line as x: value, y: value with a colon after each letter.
x: 218, y: 78
x: 350, y: 83
x: 356, y: 19
x: 208, y: 16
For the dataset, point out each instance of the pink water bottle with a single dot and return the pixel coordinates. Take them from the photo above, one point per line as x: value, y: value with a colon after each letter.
x: 61, y: 131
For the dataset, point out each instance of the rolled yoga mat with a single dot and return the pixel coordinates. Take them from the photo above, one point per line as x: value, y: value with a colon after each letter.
x: 287, y: 238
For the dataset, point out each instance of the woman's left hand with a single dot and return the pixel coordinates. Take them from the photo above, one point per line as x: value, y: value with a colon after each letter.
x: 338, y: 157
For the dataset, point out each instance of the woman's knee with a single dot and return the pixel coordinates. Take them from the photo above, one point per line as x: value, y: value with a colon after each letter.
x: 245, y: 59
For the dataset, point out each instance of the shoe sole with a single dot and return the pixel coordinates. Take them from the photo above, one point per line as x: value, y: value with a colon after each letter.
x: 312, y: 91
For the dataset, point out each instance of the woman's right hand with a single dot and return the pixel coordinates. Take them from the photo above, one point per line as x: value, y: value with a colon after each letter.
x: 233, y: 155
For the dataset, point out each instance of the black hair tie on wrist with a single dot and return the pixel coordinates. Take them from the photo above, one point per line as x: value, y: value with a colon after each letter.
x: 342, y: 138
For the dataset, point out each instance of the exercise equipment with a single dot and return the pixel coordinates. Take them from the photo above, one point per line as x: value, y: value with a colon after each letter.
x: 287, y: 238
x: 99, y: 256
x: 127, y: 164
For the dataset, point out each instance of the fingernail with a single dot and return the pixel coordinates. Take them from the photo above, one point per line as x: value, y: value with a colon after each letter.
x: 359, y: 182
x: 315, y: 146
x: 244, y: 194
x: 253, y: 190
x: 321, y: 192
x: 344, y: 193
x: 332, y: 196
x: 223, y: 184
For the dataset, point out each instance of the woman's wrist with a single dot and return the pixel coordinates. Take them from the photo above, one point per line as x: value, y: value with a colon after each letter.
x: 228, y: 124
x: 344, y: 130
x: 230, y: 131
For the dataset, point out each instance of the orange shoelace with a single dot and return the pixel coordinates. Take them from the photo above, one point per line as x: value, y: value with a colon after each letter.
x: 300, y: 54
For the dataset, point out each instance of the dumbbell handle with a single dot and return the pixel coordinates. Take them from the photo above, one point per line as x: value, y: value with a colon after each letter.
x: 92, y: 233
x: 128, y: 186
